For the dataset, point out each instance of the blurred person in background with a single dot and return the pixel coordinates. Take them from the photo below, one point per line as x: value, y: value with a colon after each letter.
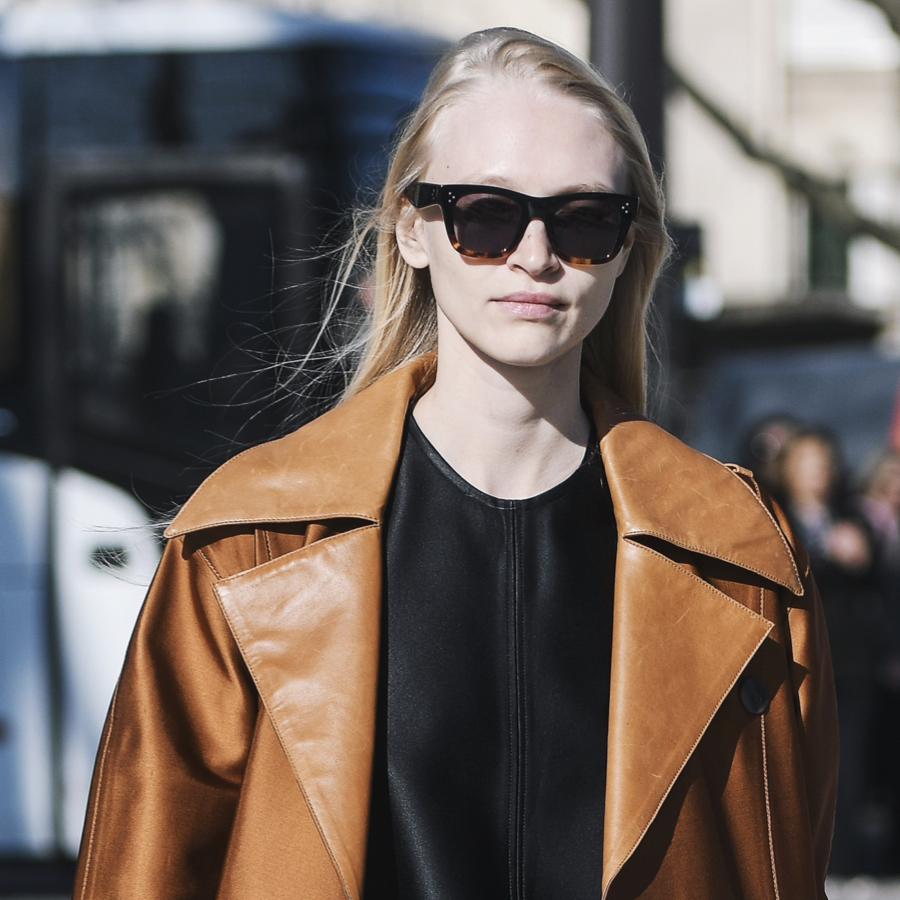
x: 879, y: 506
x: 841, y: 556
x: 762, y: 446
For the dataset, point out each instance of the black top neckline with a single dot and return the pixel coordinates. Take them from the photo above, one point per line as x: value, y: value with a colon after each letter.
x: 414, y: 431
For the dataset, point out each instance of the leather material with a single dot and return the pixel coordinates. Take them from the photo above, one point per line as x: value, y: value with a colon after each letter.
x: 661, y: 711
x: 704, y: 800
x: 298, y: 667
x: 498, y: 643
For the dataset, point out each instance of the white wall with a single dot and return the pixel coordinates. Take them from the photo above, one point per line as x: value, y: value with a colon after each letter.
x: 735, y: 53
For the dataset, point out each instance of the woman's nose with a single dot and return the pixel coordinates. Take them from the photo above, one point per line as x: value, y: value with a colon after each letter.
x: 534, y: 253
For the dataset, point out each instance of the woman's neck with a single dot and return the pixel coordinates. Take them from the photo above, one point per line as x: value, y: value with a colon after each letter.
x: 510, y: 431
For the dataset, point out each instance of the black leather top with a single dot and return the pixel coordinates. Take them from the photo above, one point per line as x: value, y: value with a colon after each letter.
x: 491, y: 740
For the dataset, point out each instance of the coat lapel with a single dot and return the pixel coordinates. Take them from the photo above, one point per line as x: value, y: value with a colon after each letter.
x: 307, y: 623
x: 308, y: 627
x: 679, y: 644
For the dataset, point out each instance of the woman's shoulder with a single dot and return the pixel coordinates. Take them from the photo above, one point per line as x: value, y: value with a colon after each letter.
x: 338, y: 465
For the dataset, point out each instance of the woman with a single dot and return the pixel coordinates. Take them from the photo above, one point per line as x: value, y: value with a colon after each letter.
x: 840, y: 555
x: 435, y: 644
x: 879, y: 507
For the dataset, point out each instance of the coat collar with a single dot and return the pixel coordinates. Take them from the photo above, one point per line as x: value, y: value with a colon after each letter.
x: 342, y: 464
x: 662, y: 488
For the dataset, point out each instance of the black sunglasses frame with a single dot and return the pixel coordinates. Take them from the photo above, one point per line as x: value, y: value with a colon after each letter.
x: 422, y: 194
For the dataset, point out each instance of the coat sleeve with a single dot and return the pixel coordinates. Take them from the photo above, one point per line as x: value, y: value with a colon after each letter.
x: 174, y: 748
x: 812, y: 681
x: 813, y: 684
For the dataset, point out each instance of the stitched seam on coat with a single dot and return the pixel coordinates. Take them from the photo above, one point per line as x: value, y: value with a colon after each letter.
x: 706, y: 724
x: 746, y: 475
x: 268, y: 547
x: 697, y: 578
x: 88, y: 868
x: 202, y: 554
x: 765, y: 767
x: 789, y: 649
x: 693, y: 547
x: 252, y: 520
x: 771, y: 518
x: 762, y: 731
x: 286, y: 557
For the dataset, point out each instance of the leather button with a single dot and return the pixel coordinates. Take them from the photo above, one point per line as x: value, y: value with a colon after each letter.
x: 754, y: 696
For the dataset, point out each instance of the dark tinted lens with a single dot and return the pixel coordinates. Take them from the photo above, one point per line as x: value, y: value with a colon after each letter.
x: 486, y: 224
x: 587, y: 228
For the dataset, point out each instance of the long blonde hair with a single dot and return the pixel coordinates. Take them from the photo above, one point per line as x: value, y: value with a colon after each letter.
x: 401, y: 319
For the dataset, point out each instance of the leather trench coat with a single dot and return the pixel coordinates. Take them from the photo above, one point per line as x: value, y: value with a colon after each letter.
x: 236, y: 759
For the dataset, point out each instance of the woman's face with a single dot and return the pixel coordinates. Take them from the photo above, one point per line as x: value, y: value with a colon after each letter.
x: 886, y: 484
x: 531, y: 308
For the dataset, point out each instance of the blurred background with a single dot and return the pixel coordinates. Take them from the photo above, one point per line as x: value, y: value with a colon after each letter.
x: 172, y: 175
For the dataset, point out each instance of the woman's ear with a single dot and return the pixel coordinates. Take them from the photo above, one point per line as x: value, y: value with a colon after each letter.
x: 409, y: 238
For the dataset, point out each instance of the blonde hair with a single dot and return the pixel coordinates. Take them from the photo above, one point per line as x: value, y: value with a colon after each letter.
x: 401, y: 320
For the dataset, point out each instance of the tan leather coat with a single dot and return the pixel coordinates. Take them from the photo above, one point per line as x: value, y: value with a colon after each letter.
x: 237, y: 754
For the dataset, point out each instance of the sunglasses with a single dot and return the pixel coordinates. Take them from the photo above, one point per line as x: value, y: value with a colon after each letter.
x: 486, y: 222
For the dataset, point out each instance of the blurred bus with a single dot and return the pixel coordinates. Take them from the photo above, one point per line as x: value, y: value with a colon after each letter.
x: 167, y: 171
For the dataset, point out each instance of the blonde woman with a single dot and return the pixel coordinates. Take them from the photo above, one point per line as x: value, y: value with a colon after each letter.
x: 481, y: 630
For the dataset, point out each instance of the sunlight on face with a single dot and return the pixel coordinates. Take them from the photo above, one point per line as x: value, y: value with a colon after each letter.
x: 531, y: 308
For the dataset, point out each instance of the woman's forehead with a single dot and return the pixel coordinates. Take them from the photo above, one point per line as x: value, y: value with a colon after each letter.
x: 501, y: 94
x: 503, y: 132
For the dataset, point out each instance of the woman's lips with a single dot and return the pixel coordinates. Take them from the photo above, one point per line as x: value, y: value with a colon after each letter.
x: 530, y: 306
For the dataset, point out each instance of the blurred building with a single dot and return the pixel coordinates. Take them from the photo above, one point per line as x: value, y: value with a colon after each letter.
x: 564, y: 21
x: 818, y: 81
x: 162, y: 166
x: 784, y: 313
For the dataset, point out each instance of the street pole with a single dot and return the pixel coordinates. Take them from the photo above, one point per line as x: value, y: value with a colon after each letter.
x: 627, y: 47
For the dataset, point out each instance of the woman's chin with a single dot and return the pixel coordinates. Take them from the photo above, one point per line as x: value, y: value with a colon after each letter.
x: 529, y: 357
